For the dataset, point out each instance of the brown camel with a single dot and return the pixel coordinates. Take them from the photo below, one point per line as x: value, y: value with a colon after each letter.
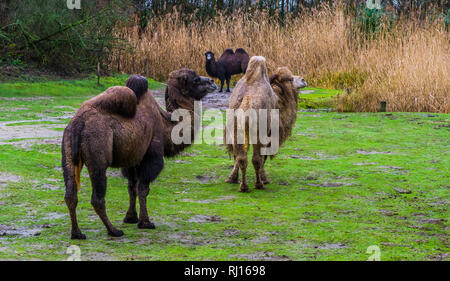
x: 255, y: 91
x: 114, y: 130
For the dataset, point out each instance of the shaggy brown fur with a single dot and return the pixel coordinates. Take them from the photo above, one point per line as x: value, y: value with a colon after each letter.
x: 286, y: 86
x: 138, y: 84
x: 104, y: 133
x: 229, y: 63
x: 252, y: 92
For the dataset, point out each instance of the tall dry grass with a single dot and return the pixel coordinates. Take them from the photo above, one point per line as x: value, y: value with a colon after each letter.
x: 407, y: 67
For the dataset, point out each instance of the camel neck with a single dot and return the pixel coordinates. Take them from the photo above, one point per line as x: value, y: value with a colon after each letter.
x: 172, y: 148
x: 211, y: 68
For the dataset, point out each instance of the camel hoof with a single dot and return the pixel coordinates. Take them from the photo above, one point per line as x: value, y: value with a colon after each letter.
x: 244, y: 188
x: 115, y: 233
x: 78, y: 235
x: 231, y: 180
x: 130, y: 219
x: 146, y: 225
x: 259, y: 186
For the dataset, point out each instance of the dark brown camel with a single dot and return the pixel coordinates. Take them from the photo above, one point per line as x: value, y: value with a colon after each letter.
x: 229, y: 63
x: 113, y: 130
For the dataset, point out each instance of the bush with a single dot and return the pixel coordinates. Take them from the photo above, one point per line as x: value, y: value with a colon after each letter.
x: 51, y: 34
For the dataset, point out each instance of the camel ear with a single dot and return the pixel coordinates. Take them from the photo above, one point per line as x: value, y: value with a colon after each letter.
x: 273, y: 78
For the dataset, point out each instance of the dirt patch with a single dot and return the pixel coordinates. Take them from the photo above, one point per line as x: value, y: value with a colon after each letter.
x: 402, y: 190
x: 439, y: 257
x: 364, y: 163
x: 46, y: 186
x: 331, y: 246
x: 7, y: 177
x: 262, y: 256
x: 364, y: 152
x: 208, y: 201
x: 183, y: 238
x: 301, y: 157
x: 26, y: 98
x: 54, y: 216
x: 318, y: 156
x: 177, y: 161
x: 283, y: 183
x: 434, y: 221
x: 205, y: 178
x: 388, y: 213
x: 205, y: 219
x: 231, y: 232
x: 6, y: 230
x: 214, y: 100
x: 114, y: 173
x: 329, y: 184
x: 260, y: 240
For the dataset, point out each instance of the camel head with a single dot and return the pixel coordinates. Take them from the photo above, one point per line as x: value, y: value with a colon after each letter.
x: 184, y: 86
x: 256, y: 70
x: 284, y: 76
x: 209, y: 56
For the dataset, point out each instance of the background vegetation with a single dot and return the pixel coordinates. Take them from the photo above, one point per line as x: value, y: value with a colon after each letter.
x: 399, y: 53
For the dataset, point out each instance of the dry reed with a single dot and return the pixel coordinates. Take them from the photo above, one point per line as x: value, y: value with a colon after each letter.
x: 407, y: 66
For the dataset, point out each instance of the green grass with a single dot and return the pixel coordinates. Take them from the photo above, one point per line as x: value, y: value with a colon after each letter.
x: 315, y: 98
x: 52, y: 98
x: 332, y: 192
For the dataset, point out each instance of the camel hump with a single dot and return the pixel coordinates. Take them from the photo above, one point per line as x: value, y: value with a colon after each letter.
x: 241, y: 51
x: 138, y: 84
x: 116, y: 100
x: 228, y: 52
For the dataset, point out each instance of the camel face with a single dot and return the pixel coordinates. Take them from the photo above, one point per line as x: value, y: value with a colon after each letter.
x: 203, y: 86
x: 186, y: 87
x: 299, y: 82
x: 209, y: 56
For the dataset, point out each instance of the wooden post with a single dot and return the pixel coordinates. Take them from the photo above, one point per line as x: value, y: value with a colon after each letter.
x: 383, y: 106
x: 98, y: 73
x: 118, y: 63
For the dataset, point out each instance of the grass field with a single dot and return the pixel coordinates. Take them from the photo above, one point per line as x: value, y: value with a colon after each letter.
x: 342, y: 183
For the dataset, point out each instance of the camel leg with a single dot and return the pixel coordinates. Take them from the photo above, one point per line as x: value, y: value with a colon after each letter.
x: 257, y: 161
x: 148, y: 170
x: 264, y: 178
x: 241, y: 158
x: 71, y: 198
x: 228, y: 78
x: 221, y: 83
x: 144, y: 222
x: 234, y: 175
x: 98, y: 180
x: 131, y: 216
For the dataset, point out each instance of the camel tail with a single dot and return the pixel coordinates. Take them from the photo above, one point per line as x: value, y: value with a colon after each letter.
x: 246, y: 137
x: 78, y: 168
x: 78, y: 127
